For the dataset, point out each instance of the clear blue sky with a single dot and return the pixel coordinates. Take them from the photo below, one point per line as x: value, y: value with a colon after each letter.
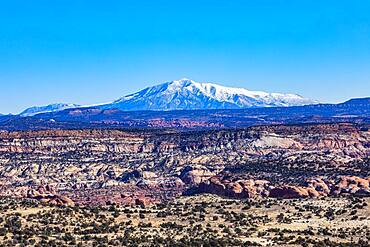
x: 97, y: 51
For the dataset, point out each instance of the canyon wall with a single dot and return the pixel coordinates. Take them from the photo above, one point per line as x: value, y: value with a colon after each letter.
x: 174, y: 161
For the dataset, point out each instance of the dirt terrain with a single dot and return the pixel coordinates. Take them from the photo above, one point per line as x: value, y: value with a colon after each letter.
x: 204, y: 220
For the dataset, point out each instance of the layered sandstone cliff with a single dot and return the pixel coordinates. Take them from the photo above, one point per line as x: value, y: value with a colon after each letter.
x: 169, y: 161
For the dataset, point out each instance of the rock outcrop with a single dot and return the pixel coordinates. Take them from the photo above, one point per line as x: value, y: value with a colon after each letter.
x: 352, y: 185
x: 240, y: 189
x: 195, y: 175
x: 315, y: 187
x: 48, y: 195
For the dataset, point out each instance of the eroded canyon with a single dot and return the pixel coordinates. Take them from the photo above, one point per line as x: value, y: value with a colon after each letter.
x: 151, y: 166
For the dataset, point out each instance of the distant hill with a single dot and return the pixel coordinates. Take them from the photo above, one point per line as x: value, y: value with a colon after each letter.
x: 358, y: 101
x: 44, y: 109
x: 188, y: 104
x: 353, y: 111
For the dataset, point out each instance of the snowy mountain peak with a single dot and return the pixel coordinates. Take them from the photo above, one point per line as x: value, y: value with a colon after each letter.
x: 186, y: 94
x: 48, y: 108
x: 182, y: 81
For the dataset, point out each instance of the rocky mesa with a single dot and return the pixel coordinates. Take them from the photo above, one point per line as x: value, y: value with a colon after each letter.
x: 153, y: 165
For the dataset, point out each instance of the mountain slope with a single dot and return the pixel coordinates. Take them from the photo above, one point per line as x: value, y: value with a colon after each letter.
x: 186, y: 94
x: 48, y: 108
x: 358, y: 102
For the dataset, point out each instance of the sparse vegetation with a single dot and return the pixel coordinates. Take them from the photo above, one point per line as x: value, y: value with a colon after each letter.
x: 189, y: 221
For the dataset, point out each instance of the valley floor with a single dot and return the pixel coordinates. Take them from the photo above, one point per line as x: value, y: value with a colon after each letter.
x: 204, y: 220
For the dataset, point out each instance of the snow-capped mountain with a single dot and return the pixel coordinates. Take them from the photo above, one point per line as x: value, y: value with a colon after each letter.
x: 186, y: 94
x: 48, y: 108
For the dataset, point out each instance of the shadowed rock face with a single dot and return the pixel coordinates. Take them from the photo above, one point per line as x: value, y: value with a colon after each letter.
x: 240, y: 189
x: 164, y: 163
